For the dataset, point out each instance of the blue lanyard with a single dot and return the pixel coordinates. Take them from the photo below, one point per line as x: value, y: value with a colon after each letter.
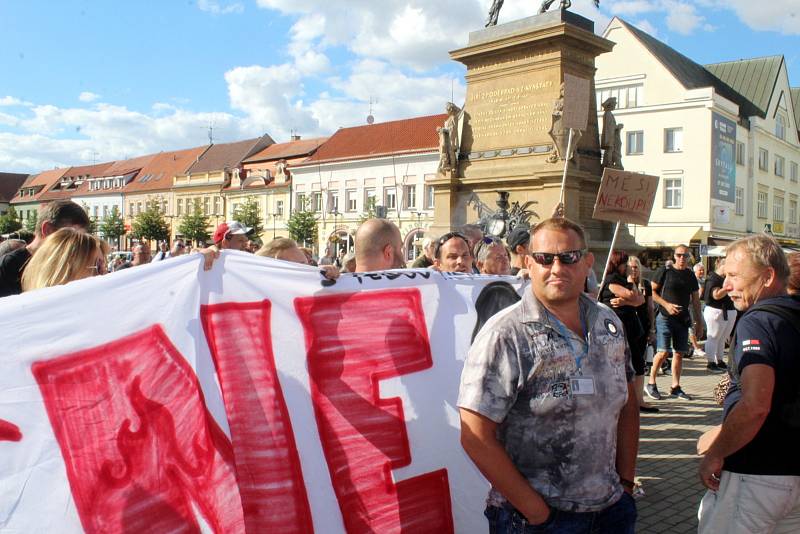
x: 562, y: 329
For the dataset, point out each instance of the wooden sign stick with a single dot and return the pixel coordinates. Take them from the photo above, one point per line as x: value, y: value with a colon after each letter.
x: 566, y: 163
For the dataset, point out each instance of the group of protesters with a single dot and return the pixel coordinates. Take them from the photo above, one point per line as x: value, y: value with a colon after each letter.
x: 553, y: 384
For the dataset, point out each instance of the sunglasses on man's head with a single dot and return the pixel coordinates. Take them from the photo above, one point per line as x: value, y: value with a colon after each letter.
x: 567, y: 258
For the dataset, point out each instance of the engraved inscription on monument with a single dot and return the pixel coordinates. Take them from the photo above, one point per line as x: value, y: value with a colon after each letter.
x: 512, y: 115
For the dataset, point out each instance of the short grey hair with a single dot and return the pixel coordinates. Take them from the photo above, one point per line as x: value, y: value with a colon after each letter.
x: 764, y: 252
x: 698, y: 266
x: 483, y: 249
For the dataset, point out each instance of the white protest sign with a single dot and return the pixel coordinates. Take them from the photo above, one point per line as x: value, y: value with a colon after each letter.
x: 625, y: 197
x: 577, y: 96
x: 251, y: 398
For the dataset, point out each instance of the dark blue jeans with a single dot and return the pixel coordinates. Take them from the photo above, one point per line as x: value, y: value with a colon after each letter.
x: 619, y: 518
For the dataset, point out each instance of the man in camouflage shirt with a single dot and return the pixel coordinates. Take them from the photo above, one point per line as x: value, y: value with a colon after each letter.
x: 548, y: 413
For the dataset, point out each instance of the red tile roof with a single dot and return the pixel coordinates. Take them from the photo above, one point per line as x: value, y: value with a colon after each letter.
x: 382, y: 139
x: 158, y: 173
x: 291, y: 149
x: 41, y: 182
x: 127, y: 166
x: 9, y: 185
x: 55, y: 191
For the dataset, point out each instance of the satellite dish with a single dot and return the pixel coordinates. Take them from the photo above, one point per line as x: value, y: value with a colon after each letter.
x: 370, y: 119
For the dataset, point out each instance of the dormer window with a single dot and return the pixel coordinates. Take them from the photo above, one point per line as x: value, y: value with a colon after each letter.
x: 780, y: 126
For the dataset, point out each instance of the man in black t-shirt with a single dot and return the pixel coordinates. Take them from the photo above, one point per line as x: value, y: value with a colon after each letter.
x: 752, y: 466
x: 55, y: 215
x: 674, y: 290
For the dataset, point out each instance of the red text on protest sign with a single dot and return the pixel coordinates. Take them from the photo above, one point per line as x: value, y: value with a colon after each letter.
x: 354, y: 341
x: 140, y: 449
x: 270, y: 478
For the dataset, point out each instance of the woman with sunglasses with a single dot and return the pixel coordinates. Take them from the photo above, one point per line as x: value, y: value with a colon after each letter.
x: 65, y: 256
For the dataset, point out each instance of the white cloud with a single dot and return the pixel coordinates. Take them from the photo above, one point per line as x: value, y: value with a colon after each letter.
x: 214, y: 7
x: 13, y: 101
x: 87, y: 96
x: 633, y: 7
x: 647, y: 27
x: 682, y: 17
x: 782, y: 16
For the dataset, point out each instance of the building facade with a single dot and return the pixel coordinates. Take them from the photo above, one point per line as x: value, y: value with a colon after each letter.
x: 722, y: 139
x: 377, y: 169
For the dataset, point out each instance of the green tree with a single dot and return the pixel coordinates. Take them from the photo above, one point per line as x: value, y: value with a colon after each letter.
x: 249, y: 214
x: 113, y: 226
x: 194, y: 225
x: 369, y: 211
x: 9, y: 221
x: 30, y: 223
x: 302, y: 225
x: 150, y: 224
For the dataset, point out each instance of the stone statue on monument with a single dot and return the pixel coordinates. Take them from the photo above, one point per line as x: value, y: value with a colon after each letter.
x: 445, y: 165
x: 453, y: 124
x: 559, y: 134
x: 565, y: 4
x: 494, y: 12
x: 611, y: 138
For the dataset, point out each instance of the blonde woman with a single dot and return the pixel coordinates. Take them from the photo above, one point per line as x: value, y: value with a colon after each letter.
x: 66, y: 255
x: 645, y: 314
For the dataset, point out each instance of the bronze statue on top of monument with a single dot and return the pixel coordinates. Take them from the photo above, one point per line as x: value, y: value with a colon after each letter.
x: 494, y: 11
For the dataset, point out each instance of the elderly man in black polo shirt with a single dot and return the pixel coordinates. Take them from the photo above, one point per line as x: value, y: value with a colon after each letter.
x: 751, y: 467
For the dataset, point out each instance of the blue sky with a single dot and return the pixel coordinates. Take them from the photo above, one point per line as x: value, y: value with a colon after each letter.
x: 108, y: 80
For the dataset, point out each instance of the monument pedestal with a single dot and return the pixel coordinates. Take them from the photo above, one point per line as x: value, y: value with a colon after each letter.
x: 514, y: 75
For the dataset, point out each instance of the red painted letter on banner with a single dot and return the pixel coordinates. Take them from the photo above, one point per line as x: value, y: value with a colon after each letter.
x: 270, y: 477
x: 141, y: 451
x: 355, y: 340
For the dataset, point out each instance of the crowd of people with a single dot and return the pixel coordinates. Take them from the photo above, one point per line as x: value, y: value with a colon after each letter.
x: 555, y: 380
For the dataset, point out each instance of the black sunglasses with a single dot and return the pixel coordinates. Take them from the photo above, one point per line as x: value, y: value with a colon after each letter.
x: 681, y: 255
x: 567, y: 258
x: 447, y: 237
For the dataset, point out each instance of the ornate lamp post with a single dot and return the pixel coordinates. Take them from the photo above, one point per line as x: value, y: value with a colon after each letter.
x: 274, y: 216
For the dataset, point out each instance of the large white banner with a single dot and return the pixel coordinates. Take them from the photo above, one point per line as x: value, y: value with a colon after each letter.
x: 255, y: 397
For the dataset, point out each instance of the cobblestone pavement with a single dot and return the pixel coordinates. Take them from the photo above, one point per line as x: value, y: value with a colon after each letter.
x: 667, y: 466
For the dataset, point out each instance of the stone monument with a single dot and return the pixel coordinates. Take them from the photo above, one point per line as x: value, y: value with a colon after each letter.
x: 515, y: 73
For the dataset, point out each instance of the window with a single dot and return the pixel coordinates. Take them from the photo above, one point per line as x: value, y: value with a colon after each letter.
x: 206, y: 206
x: 352, y: 200
x: 105, y: 212
x: 635, y: 142
x: 780, y: 166
x: 279, y: 208
x: 301, y: 202
x: 138, y: 208
x: 780, y: 126
x: 673, y: 140
x: 628, y: 96
x: 317, y: 201
x: 793, y: 171
x: 777, y: 208
x: 792, y: 210
x: 429, y: 197
x: 217, y: 205
x: 740, y: 153
x: 179, y: 207
x: 130, y: 210
x: 763, y: 159
x: 94, y: 211
x: 673, y: 193
x: 410, y: 196
x: 761, y: 205
x: 164, y: 205
x: 740, y: 201
x: 369, y: 197
x: 333, y: 202
x: 390, y: 198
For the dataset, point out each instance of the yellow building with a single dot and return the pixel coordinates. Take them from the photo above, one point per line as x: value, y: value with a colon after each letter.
x: 203, y: 183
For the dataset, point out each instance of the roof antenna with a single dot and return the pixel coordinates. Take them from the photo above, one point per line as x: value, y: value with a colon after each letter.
x: 95, y: 153
x: 371, y: 117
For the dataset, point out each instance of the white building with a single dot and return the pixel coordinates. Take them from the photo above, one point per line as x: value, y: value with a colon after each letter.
x: 722, y: 138
x: 383, y: 167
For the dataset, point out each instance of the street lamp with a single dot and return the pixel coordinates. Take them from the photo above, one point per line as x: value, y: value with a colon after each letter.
x: 274, y: 216
x: 419, y: 218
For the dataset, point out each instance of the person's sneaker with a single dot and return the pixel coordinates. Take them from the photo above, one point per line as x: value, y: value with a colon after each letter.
x: 712, y: 367
x: 678, y: 392
x: 722, y: 366
x: 700, y: 352
x: 652, y: 391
